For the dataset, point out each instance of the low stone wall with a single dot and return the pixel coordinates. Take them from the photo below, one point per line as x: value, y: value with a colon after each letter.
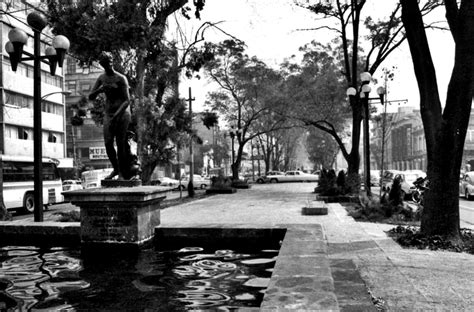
x: 301, y: 278
x: 339, y: 198
x: 46, y: 233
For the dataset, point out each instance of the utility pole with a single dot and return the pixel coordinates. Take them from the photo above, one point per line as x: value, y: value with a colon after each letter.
x: 191, y: 155
x: 253, y: 160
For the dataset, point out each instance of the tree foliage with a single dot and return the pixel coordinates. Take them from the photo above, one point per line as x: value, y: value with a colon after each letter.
x: 322, y: 149
x: 314, y: 89
x: 134, y: 31
x: 246, y: 89
x: 345, y: 19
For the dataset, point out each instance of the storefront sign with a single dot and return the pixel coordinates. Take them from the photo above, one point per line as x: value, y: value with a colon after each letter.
x: 97, y: 153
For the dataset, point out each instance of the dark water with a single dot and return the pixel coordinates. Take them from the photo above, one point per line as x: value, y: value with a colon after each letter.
x: 57, y: 279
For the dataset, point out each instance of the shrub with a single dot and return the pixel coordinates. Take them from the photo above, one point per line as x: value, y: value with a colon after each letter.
x: 69, y: 216
x: 328, y: 183
x: 341, y: 182
x: 221, y: 182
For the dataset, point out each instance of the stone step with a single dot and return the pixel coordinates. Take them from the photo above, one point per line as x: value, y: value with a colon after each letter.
x: 316, y: 208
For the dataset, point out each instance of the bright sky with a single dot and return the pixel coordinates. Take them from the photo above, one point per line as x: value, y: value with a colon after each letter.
x: 270, y: 28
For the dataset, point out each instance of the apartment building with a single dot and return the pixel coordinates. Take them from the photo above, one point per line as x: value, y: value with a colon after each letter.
x: 16, y: 98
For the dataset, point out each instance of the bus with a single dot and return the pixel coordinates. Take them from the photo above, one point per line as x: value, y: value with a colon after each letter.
x: 92, y: 178
x: 18, y: 182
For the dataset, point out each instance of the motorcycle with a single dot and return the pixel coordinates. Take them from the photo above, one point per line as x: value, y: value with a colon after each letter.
x: 421, y: 185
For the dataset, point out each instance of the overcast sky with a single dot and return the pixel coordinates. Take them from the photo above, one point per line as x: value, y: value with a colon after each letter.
x: 272, y: 31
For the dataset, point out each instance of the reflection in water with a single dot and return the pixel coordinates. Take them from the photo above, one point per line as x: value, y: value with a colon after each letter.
x: 58, y: 279
x: 37, y: 277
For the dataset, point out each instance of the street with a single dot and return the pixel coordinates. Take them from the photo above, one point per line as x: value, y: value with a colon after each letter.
x: 466, y: 208
x: 466, y: 213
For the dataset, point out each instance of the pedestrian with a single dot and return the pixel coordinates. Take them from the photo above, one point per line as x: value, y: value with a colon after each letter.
x: 117, y: 119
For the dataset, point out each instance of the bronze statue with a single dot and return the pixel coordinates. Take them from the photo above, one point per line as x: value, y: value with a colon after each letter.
x: 117, y: 119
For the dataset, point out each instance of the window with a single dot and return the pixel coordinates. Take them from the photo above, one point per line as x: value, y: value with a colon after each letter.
x: 29, y: 72
x: 84, y: 152
x: 24, y: 171
x: 71, y: 86
x: 52, y: 138
x: 71, y: 66
x: 85, y: 87
x: 11, y: 132
x: 23, y: 133
x: 78, y: 133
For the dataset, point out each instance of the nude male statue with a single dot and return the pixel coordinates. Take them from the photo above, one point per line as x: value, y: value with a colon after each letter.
x: 117, y: 118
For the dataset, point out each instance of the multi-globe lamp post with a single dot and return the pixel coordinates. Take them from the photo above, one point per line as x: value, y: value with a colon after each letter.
x: 361, y: 97
x: 54, y: 56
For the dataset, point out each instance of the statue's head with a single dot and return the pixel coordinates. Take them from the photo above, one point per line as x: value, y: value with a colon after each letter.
x: 106, y: 60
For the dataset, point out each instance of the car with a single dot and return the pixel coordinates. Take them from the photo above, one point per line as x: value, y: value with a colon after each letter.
x: 266, y: 178
x: 165, y: 181
x: 71, y: 185
x: 317, y: 173
x: 374, y: 177
x: 466, y: 185
x: 387, y: 179
x: 294, y: 176
x: 406, y: 177
x: 198, y: 182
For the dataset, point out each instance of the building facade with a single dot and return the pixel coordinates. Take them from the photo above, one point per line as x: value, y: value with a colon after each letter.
x: 16, y: 94
x: 85, y: 143
x: 405, y: 141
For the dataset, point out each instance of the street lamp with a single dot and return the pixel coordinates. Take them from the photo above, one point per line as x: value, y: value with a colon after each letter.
x: 361, y: 97
x: 53, y: 56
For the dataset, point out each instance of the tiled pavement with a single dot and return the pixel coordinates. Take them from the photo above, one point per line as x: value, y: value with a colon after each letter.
x: 332, y: 262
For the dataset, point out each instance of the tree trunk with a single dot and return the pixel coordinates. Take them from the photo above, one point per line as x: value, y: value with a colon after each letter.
x: 445, y: 132
x: 236, y: 165
x: 353, y: 159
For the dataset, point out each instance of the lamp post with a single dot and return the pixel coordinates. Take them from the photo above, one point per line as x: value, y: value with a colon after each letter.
x: 361, y: 97
x: 54, y: 56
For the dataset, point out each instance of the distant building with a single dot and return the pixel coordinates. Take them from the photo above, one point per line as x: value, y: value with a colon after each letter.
x: 85, y: 144
x: 406, y: 144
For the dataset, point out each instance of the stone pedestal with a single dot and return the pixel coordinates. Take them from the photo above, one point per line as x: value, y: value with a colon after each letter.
x: 118, y: 216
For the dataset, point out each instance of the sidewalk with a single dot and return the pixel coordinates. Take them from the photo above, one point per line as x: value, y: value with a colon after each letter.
x: 364, y: 262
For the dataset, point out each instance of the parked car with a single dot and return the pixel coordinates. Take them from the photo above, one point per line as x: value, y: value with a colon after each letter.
x: 466, y: 185
x: 294, y: 176
x: 317, y: 173
x: 165, y: 181
x: 198, y: 182
x: 374, y: 177
x: 387, y: 179
x: 266, y: 178
x: 407, y: 178
x: 71, y: 185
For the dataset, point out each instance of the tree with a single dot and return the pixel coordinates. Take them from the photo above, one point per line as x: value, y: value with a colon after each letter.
x: 245, y: 88
x: 384, y: 36
x: 314, y: 88
x: 445, y: 130
x: 322, y: 149
x: 134, y: 31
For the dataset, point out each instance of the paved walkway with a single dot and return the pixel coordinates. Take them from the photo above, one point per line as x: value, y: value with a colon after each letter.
x: 363, y: 259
